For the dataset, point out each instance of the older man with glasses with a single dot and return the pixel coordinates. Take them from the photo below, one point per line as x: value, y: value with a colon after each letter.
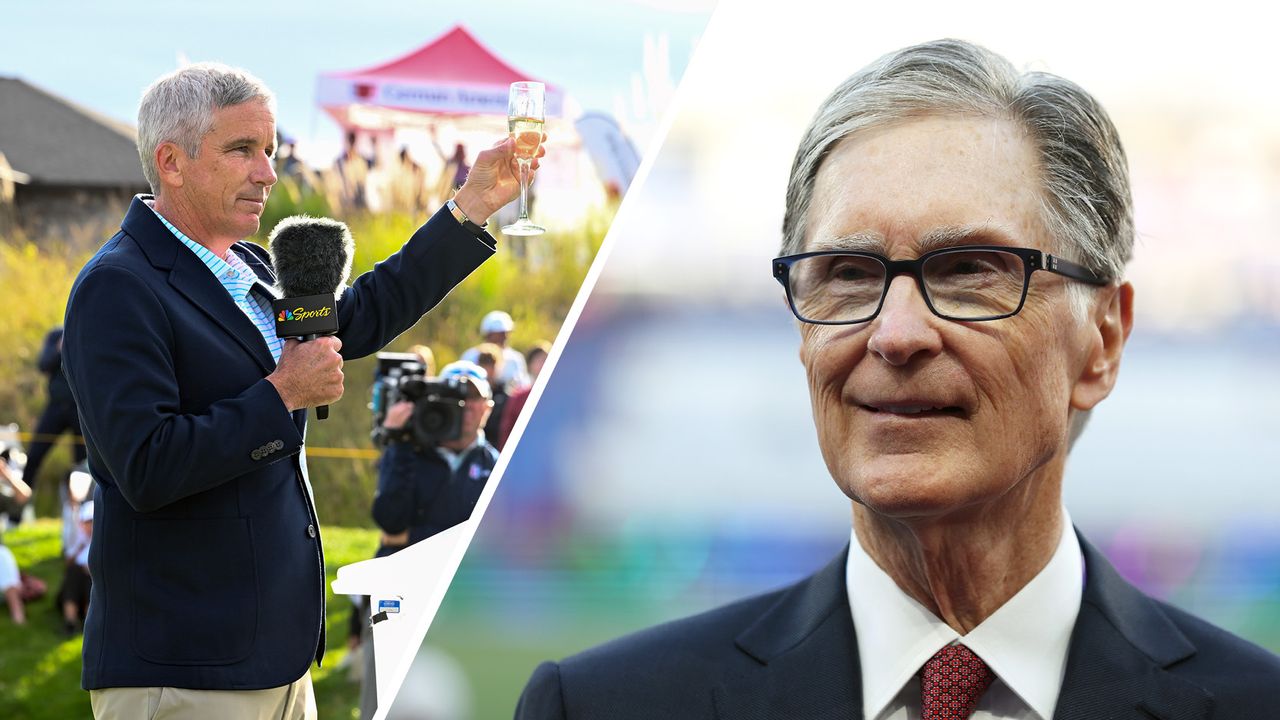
x: 948, y: 378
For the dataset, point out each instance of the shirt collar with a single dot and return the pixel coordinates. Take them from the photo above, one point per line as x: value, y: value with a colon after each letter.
x: 1024, y: 642
x: 233, y: 273
x: 454, y: 457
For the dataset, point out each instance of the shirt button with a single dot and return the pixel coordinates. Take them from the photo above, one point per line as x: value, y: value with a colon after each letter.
x: 311, y: 531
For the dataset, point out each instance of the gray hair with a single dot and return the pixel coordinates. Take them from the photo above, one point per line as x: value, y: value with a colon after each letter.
x: 1086, y: 200
x: 179, y: 107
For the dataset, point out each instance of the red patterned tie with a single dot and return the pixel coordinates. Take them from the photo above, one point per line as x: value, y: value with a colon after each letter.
x: 951, y: 683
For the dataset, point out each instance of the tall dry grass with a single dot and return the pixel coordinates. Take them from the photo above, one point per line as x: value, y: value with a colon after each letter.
x: 536, y: 286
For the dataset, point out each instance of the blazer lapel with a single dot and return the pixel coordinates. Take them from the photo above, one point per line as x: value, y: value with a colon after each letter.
x: 1119, y: 650
x: 192, y: 279
x: 807, y: 657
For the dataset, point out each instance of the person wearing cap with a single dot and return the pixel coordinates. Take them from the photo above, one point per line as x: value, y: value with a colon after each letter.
x: 73, y: 597
x: 425, y: 490
x: 496, y: 328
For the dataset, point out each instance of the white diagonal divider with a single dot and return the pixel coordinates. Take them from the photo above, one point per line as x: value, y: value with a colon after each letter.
x: 420, y: 575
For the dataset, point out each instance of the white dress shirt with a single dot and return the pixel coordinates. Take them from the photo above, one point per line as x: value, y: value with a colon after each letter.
x: 1024, y: 642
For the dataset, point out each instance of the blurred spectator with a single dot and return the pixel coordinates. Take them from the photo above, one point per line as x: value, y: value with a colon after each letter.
x: 73, y: 596
x: 14, y: 491
x: 535, y: 357
x: 59, y: 414
x: 457, y: 167
x: 352, y: 170
x: 490, y: 358
x: 10, y: 576
x: 496, y: 328
x: 427, y: 357
x: 455, y: 170
x: 408, y: 183
x: 287, y: 162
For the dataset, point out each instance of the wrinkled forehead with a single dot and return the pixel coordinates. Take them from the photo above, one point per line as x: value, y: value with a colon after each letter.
x: 926, y: 183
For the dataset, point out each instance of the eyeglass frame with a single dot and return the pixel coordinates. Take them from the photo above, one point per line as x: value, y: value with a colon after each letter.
x: 1032, y: 260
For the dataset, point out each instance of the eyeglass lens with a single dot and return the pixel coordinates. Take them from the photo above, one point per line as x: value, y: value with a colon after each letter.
x: 961, y: 285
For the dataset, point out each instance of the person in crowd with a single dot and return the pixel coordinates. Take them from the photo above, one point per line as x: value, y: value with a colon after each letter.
x: 496, y: 328
x: 491, y: 359
x: 73, y: 596
x: 352, y: 171
x: 534, y: 358
x: 427, y: 358
x: 953, y: 250
x: 427, y: 487
x: 206, y: 554
x: 11, y: 585
x: 408, y: 184
x: 59, y: 415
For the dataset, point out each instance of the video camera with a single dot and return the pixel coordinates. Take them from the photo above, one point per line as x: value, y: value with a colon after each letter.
x: 438, y: 403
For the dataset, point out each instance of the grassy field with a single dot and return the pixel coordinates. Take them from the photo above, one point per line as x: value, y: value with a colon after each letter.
x: 40, y: 667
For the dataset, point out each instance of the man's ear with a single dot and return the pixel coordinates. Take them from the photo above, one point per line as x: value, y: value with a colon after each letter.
x: 1109, y: 328
x: 171, y: 160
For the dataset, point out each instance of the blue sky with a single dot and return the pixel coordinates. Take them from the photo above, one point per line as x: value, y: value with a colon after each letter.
x: 102, y: 54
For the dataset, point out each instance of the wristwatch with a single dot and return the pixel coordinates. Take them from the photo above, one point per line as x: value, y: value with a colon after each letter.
x: 463, y: 220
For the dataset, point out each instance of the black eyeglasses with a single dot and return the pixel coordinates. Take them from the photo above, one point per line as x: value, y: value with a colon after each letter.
x: 971, y: 283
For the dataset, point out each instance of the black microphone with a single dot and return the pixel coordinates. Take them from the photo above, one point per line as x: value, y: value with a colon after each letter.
x: 312, y: 259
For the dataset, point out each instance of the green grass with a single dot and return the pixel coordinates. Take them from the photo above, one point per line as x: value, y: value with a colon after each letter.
x: 497, y: 660
x: 40, y: 668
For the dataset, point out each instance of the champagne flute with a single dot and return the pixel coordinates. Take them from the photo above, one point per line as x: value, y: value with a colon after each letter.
x: 525, y: 119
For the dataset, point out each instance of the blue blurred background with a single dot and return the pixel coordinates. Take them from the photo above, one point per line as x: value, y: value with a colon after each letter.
x: 671, y: 463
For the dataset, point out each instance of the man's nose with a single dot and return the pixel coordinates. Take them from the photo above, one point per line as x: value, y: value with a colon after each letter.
x: 905, y: 327
x: 264, y: 171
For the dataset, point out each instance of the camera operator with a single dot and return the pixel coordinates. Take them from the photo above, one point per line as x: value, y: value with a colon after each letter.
x: 426, y: 484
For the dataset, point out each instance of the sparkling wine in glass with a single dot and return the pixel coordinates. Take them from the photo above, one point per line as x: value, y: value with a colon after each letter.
x: 525, y: 120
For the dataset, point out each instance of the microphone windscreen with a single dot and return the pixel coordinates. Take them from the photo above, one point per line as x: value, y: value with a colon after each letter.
x: 312, y: 256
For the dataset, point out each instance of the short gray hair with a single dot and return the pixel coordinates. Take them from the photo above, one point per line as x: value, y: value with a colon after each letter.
x: 179, y: 107
x: 1086, y: 199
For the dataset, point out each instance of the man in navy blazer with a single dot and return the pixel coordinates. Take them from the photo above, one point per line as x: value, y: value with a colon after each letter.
x: 208, y: 596
x: 954, y: 246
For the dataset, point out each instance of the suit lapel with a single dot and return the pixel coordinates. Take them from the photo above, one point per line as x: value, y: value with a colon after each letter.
x: 1119, y: 650
x: 806, y: 661
x: 806, y: 657
x: 193, y: 280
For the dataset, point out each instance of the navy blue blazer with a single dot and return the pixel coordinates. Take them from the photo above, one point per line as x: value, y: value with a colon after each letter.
x: 793, y: 654
x: 206, y: 560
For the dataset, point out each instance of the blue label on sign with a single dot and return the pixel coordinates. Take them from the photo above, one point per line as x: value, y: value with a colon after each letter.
x: 389, y: 606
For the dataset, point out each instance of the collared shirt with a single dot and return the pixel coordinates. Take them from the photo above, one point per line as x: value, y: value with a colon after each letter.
x: 238, y: 279
x: 1024, y: 642
x: 455, y: 457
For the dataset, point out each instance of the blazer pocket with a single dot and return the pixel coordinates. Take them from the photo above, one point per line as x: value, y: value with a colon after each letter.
x: 195, y: 590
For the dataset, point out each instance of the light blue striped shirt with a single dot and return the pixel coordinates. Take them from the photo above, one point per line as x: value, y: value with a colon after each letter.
x: 237, y: 277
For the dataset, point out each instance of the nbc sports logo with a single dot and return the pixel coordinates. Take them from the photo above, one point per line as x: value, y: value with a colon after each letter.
x: 284, y: 315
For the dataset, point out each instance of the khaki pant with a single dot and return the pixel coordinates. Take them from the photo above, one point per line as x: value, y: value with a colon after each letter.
x: 295, y: 701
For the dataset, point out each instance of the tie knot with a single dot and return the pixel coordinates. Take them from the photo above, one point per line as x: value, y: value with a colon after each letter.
x: 951, y: 683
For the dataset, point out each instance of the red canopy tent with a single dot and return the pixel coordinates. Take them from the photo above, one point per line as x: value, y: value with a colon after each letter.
x: 452, y: 75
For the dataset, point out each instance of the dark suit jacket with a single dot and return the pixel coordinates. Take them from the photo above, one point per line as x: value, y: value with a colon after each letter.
x: 206, y: 559
x: 792, y: 654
